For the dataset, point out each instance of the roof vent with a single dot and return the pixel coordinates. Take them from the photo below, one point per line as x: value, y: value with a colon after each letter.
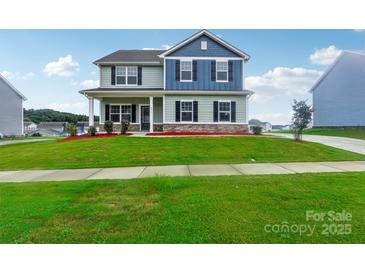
x: 204, y: 45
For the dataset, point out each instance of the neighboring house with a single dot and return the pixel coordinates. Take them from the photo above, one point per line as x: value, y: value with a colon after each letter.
x: 339, y: 94
x: 11, y: 109
x: 29, y: 127
x: 52, y: 128
x: 266, y: 126
x: 281, y: 127
x: 196, y: 85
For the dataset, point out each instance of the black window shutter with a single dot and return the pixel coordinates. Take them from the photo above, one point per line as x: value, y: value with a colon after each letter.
x: 134, y: 113
x: 215, y: 111
x: 139, y: 75
x: 230, y: 70
x: 106, y: 118
x: 177, y: 111
x: 195, y: 111
x: 195, y: 70
x: 113, y: 76
x: 233, y: 112
x: 177, y: 70
x: 213, y: 71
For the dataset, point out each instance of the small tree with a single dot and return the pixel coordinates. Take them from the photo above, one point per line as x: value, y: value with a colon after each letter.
x: 71, y: 129
x: 108, y: 127
x: 301, y: 118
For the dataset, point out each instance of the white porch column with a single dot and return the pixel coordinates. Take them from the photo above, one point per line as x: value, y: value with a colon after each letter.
x: 151, y: 113
x: 91, y: 111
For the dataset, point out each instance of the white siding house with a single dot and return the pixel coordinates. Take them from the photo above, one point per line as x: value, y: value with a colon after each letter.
x: 339, y: 95
x: 11, y: 109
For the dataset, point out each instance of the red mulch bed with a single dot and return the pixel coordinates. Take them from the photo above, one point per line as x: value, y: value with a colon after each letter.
x: 199, y: 133
x: 80, y: 137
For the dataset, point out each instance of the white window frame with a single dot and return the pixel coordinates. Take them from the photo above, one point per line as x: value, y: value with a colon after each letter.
x: 216, y: 70
x: 192, y: 110
x: 126, y: 75
x: 191, y: 70
x: 230, y: 111
x: 204, y: 45
x: 130, y: 113
x: 120, y: 112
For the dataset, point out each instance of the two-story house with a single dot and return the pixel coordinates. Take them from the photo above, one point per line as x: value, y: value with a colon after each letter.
x: 195, y: 86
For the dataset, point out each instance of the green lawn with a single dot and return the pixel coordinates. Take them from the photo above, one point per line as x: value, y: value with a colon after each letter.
x: 137, y: 151
x: 232, y: 209
x: 357, y: 133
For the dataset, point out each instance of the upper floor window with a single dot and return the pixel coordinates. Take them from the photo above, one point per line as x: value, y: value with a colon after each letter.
x: 126, y: 75
x: 222, y: 71
x: 186, y: 69
x: 224, y: 111
x: 186, y: 111
x: 203, y: 45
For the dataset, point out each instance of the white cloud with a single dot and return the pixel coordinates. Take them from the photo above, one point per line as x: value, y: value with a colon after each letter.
x: 88, y: 84
x: 162, y: 47
x: 325, y: 56
x: 78, y: 107
x: 17, y: 75
x: 282, y: 81
x: 7, y: 74
x: 64, y: 66
x: 274, y: 118
x: 359, y: 30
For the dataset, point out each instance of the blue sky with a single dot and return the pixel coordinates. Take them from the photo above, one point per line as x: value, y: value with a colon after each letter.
x: 283, y: 65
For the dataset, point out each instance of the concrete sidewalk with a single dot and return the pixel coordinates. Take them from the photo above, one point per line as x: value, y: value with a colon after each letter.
x: 180, y: 170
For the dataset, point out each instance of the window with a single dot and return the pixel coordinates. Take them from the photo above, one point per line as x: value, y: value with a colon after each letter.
x: 186, y: 111
x: 186, y: 70
x: 224, y: 111
x: 126, y: 75
x: 126, y: 112
x: 115, y: 113
x: 119, y: 113
x: 203, y: 45
x: 222, y: 71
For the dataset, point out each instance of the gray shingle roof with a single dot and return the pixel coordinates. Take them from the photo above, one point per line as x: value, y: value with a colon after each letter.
x: 125, y: 56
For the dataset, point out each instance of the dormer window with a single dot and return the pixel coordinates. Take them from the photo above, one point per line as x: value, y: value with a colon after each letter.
x: 204, y: 45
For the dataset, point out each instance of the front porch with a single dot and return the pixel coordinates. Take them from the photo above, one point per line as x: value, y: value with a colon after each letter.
x: 145, y: 114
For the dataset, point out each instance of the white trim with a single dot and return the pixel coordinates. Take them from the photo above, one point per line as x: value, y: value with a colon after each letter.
x: 151, y: 114
x: 192, y: 110
x: 146, y: 93
x: 216, y: 71
x: 230, y: 111
x: 126, y: 76
x: 210, y: 35
x: 164, y: 74
x: 163, y: 109
x: 12, y: 87
x: 204, y: 58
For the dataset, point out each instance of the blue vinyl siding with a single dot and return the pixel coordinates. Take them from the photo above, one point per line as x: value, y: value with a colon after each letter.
x: 193, y: 49
x: 204, y: 77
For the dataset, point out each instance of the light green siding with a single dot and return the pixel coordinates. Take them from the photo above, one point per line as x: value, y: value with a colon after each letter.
x: 205, y: 107
x: 157, y: 103
x: 152, y: 77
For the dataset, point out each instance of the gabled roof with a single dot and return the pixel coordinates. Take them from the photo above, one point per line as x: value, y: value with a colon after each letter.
x: 3, y: 79
x: 331, y: 67
x: 210, y: 35
x: 131, y: 56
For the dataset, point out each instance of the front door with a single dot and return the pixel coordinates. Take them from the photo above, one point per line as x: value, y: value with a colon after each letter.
x: 145, y: 118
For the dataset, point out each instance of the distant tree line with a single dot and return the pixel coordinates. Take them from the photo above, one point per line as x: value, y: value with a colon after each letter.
x: 50, y: 115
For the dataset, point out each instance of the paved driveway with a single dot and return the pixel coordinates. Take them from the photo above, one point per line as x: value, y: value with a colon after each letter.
x: 350, y: 144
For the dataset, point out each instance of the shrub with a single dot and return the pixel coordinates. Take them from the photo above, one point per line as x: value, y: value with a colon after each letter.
x: 71, y: 129
x: 125, y: 126
x: 92, y: 131
x: 36, y: 134
x: 108, y: 127
x: 257, y: 130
